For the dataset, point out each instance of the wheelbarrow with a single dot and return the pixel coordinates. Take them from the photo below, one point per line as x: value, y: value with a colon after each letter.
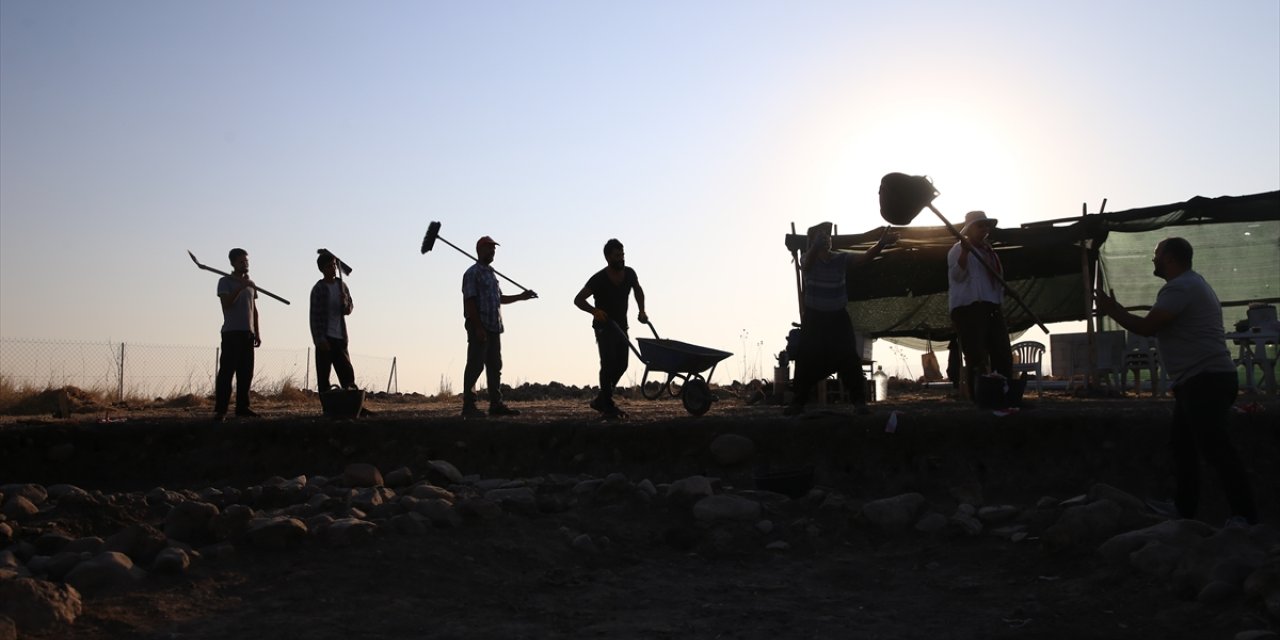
x: 680, y: 361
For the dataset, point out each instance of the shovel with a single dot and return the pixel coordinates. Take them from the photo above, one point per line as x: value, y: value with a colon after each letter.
x: 224, y: 273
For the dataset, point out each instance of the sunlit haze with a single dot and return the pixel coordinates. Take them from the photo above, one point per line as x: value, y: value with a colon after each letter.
x: 694, y: 132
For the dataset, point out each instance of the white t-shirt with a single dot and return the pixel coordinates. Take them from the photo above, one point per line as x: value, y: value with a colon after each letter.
x: 974, y: 283
x: 335, y: 311
x: 1194, y: 341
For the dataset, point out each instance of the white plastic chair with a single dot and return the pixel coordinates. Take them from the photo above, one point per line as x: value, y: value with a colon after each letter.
x: 1140, y: 353
x: 1027, y: 358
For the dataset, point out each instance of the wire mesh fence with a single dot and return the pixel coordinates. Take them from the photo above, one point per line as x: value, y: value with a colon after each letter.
x: 130, y: 369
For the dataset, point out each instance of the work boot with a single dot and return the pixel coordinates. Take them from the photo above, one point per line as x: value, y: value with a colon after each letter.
x: 500, y: 409
x: 602, y: 405
x: 470, y: 411
x: 247, y: 413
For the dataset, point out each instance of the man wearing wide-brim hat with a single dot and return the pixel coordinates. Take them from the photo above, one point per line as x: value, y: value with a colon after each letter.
x: 976, y: 293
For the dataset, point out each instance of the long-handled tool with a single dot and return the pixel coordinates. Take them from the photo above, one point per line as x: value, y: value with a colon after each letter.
x: 903, y: 197
x: 433, y: 234
x: 346, y: 268
x: 224, y: 273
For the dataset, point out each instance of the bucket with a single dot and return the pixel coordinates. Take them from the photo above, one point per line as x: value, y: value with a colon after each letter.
x: 342, y: 403
x: 994, y: 391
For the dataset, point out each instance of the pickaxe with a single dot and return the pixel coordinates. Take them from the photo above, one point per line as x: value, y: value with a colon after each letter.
x: 224, y: 273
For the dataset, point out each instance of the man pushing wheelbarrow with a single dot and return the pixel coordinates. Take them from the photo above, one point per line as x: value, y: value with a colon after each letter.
x: 611, y: 287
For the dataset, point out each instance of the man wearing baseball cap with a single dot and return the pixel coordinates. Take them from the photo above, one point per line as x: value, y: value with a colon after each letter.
x: 976, y: 294
x: 482, y: 300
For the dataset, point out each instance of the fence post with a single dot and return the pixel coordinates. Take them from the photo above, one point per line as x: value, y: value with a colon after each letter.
x: 306, y: 372
x: 120, y: 392
x: 217, y: 359
x: 393, y: 375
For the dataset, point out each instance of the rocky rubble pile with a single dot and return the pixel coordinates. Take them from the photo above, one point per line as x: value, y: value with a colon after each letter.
x: 53, y: 551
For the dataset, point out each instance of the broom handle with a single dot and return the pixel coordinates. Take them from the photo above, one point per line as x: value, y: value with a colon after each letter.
x: 455, y: 247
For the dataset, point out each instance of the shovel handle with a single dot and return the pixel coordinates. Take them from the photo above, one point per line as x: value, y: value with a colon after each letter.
x: 224, y: 273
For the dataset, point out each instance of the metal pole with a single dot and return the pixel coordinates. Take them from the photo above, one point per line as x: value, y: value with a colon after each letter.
x: 795, y: 260
x: 120, y: 393
x: 217, y: 359
x: 392, y: 375
x: 306, y: 372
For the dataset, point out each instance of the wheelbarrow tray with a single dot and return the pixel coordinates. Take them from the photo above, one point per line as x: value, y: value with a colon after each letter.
x: 673, y: 356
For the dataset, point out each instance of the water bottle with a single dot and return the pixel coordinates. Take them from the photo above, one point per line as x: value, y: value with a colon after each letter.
x: 882, y: 384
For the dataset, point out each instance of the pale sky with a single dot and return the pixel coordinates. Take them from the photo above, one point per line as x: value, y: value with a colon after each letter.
x: 695, y: 132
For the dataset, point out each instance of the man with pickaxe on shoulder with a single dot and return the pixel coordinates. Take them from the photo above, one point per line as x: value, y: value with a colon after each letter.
x: 482, y: 300
x: 240, y: 336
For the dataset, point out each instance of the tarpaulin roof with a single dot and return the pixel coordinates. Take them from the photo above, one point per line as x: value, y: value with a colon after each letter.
x: 903, y: 292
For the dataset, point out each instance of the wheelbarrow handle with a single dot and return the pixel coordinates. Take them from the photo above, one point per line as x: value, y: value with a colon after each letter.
x: 626, y: 338
x: 651, y: 328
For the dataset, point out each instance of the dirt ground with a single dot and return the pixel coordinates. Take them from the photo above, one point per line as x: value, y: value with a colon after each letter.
x: 657, y: 573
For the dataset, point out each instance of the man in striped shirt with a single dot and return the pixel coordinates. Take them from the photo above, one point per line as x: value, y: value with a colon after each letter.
x: 827, y: 341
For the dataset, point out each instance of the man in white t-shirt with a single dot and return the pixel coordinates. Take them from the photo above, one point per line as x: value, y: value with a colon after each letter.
x: 330, y: 305
x: 1186, y: 320
x: 241, y: 334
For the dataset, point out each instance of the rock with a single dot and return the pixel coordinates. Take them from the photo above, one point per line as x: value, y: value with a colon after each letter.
x: 171, y: 561
x: 19, y: 507
x: 689, y: 490
x: 1175, y: 532
x: 1158, y: 558
x: 401, y: 477
x: 107, y: 570
x: 731, y: 449
x: 61, y: 564
x: 346, y: 532
x: 1264, y: 580
x: 278, y: 532
x: 997, y: 514
x: 1103, y: 491
x: 368, y: 498
x: 39, y: 606
x: 138, y: 541
x: 440, y: 472
x: 615, y: 486
x: 34, y: 493
x: 968, y: 493
x: 778, y: 545
x: 1084, y: 524
x: 1256, y: 634
x: 1008, y: 531
x: 91, y: 544
x: 411, y: 524
x: 51, y: 542
x: 478, y: 508
x: 424, y: 490
x: 60, y: 492
x: 585, y: 544
x: 765, y: 527
x: 646, y: 486
x: 6, y: 533
x: 440, y: 512
x: 1216, y: 592
x: 360, y: 474
x: 521, y: 500
x: 726, y: 507
x: 931, y: 522
x: 8, y: 630
x: 189, y: 522
x: 968, y: 524
x: 232, y: 523
x: 895, y: 513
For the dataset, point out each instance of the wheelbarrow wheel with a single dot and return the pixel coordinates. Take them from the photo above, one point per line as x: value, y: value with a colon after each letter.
x: 696, y: 396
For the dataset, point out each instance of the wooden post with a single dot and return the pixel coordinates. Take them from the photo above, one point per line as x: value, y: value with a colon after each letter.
x: 795, y: 261
x: 393, y: 376
x: 120, y: 393
x: 306, y: 372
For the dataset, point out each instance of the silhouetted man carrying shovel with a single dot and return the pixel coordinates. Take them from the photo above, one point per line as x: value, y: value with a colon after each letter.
x: 240, y: 336
x: 482, y: 300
